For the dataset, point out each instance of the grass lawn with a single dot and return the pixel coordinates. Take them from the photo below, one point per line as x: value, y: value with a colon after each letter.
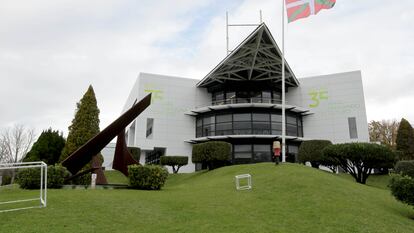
x: 285, y: 198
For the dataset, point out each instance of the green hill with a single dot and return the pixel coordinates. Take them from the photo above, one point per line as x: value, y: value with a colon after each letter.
x: 284, y: 198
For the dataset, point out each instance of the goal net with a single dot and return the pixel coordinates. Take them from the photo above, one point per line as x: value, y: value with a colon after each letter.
x: 12, y: 197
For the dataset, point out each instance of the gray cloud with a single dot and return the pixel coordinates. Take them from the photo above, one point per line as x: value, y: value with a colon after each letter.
x: 50, y: 51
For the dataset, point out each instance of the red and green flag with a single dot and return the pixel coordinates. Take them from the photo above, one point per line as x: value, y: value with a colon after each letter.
x: 297, y: 9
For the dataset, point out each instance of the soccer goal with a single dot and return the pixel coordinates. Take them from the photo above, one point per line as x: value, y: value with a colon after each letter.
x: 12, y: 198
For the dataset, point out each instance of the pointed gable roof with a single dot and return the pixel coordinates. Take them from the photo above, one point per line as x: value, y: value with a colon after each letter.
x: 257, y: 58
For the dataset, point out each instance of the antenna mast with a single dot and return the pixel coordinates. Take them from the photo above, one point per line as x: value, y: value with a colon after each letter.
x: 238, y: 25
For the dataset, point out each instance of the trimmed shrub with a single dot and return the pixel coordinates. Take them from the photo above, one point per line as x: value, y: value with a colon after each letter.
x: 311, y: 151
x: 213, y: 154
x: 29, y: 178
x: 135, y: 152
x: 56, y: 176
x: 148, y: 177
x: 402, y: 188
x: 174, y: 161
x: 405, y: 168
x: 359, y: 159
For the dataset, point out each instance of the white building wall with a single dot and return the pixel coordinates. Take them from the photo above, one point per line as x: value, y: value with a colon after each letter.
x: 332, y: 99
x: 171, y: 98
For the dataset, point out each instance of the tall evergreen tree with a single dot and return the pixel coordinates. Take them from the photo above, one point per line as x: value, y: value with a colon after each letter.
x: 47, y: 148
x: 405, y: 140
x: 84, y: 126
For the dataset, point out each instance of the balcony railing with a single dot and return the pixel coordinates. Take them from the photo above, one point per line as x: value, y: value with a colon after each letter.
x: 247, y: 101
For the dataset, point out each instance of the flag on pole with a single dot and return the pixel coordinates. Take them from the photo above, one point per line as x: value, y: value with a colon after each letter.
x: 297, y: 9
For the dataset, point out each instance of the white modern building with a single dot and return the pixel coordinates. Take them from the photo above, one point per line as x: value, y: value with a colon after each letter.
x: 239, y: 102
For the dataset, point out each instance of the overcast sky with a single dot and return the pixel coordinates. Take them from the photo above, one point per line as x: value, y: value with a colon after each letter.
x: 51, y: 50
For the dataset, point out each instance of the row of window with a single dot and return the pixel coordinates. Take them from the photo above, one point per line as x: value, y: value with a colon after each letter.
x: 248, y: 123
x: 232, y: 97
x: 254, y: 153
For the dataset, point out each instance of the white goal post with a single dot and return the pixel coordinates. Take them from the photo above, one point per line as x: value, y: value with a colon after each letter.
x: 43, y: 184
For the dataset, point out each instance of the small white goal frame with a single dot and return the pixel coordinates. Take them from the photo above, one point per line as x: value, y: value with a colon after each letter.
x: 248, y: 186
x: 43, y: 184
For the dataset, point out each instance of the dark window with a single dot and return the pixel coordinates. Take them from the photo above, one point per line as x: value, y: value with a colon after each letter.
x: 267, y: 97
x: 223, y: 118
x: 242, y: 117
x: 353, y: 132
x: 153, y: 156
x: 261, y: 127
x: 242, y: 154
x: 261, y: 117
x: 262, y: 153
x: 276, y: 117
x: 276, y: 128
x: 150, y: 126
x: 291, y: 120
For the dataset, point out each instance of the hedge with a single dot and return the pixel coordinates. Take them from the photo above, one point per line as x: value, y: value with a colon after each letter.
x: 402, y: 188
x: 174, y: 161
x: 405, y: 168
x: 213, y: 154
x: 147, y: 177
x: 29, y: 178
x: 311, y: 151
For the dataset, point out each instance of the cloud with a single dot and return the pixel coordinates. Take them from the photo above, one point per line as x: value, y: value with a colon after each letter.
x: 50, y: 51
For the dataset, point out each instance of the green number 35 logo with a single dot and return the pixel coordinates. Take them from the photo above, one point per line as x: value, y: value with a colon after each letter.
x: 317, y: 96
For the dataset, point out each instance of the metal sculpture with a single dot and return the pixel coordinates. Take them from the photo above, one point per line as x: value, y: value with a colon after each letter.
x: 122, y: 158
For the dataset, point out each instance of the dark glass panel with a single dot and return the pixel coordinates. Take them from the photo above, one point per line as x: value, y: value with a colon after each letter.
x: 291, y: 120
x: 242, y: 117
x: 291, y: 130
x: 266, y: 96
x: 208, y: 130
x: 223, y: 118
x: 276, y: 117
x: 261, y: 117
x: 261, y: 127
x: 209, y: 120
x: 242, y: 148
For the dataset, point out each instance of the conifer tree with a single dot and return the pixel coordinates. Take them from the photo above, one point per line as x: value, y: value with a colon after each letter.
x: 405, y: 140
x: 85, y: 125
x: 47, y: 148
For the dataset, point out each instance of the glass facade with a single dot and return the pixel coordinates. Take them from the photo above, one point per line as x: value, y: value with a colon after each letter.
x: 248, y: 122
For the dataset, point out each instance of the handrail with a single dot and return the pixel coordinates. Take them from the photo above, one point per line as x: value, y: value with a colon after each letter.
x: 247, y: 101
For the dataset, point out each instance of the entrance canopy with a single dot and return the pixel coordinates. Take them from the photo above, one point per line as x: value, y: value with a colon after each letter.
x: 257, y: 58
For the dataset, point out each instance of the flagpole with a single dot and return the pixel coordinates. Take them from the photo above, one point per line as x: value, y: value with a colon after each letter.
x: 283, y: 86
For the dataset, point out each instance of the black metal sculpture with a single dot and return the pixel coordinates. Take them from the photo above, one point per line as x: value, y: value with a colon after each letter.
x: 122, y: 158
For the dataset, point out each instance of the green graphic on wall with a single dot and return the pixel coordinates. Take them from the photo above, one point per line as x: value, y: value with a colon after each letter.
x: 317, y: 96
x: 157, y: 94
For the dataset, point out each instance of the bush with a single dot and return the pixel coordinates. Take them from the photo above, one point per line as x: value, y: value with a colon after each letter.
x: 213, y: 154
x: 148, y: 177
x: 56, y: 176
x: 405, y: 168
x: 359, y: 159
x: 29, y: 178
x: 5, y: 179
x: 311, y: 151
x: 135, y: 152
x: 402, y: 188
x: 174, y: 161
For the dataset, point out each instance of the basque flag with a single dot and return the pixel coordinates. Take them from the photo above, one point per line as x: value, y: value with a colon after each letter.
x: 297, y: 9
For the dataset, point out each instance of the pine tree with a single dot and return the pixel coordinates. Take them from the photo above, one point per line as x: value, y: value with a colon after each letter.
x: 47, y: 148
x: 85, y: 125
x: 405, y: 140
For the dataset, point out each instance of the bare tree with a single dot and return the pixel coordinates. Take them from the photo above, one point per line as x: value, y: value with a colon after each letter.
x: 15, y: 142
x: 384, y: 131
